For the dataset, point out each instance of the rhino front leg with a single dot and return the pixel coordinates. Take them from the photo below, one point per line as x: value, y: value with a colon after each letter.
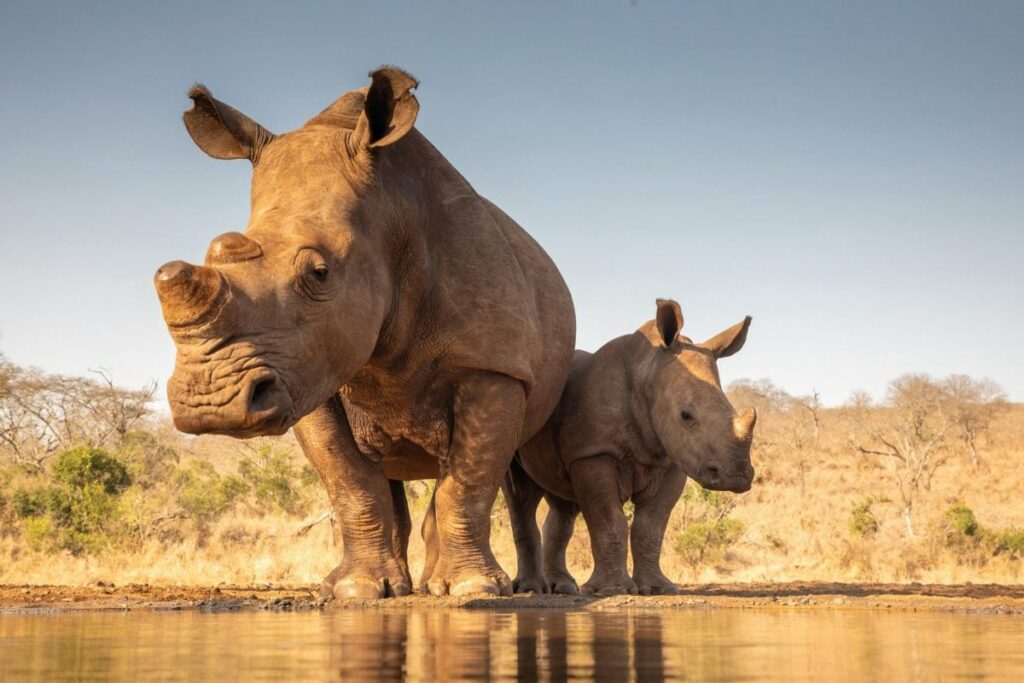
x: 488, y: 412
x: 363, y: 506
x: 595, y: 482
x: 648, y: 532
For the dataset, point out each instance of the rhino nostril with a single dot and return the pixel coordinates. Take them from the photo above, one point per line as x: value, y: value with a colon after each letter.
x: 259, y: 397
x: 712, y: 472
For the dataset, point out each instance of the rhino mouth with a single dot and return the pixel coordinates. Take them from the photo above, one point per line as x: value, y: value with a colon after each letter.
x: 255, y: 403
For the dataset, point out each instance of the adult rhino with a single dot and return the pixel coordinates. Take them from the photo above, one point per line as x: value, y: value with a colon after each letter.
x: 403, y: 324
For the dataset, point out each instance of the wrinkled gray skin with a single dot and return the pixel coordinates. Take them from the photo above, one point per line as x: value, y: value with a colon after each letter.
x: 636, y: 419
x: 400, y: 322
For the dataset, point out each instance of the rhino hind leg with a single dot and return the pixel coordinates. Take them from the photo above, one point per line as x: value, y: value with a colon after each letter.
x: 402, y: 528
x: 361, y: 497
x: 430, y: 545
x: 522, y: 495
x: 488, y: 419
x: 558, y: 528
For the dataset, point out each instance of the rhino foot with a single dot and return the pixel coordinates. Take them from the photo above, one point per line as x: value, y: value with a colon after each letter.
x: 489, y: 583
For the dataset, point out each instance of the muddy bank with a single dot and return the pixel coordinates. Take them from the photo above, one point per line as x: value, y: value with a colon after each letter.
x: 968, y: 598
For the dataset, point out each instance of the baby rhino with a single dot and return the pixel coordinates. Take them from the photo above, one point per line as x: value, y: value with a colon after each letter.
x: 635, y: 419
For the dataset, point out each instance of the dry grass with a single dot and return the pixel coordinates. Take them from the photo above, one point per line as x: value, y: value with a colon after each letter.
x: 795, y: 524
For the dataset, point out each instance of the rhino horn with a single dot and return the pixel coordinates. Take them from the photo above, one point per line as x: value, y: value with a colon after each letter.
x: 188, y: 294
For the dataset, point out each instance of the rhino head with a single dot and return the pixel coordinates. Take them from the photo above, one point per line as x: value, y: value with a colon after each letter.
x: 277, y: 319
x: 690, y: 414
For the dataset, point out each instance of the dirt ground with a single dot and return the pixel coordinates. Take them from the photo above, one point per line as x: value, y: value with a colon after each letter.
x: 968, y: 598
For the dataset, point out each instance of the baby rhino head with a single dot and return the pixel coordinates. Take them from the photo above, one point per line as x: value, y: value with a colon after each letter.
x: 690, y: 414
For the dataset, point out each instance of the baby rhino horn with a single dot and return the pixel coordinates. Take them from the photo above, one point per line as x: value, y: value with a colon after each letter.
x: 743, y: 424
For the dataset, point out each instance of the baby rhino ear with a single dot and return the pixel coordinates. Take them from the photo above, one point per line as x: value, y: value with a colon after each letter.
x: 669, y: 320
x: 729, y: 341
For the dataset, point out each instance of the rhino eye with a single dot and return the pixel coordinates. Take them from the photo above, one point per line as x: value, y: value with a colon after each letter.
x: 312, y: 274
x: 687, y: 416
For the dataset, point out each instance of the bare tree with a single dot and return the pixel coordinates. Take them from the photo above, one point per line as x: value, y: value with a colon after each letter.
x: 42, y: 414
x: 812, y: 404
x: 973, y: 405
x: 761, y: 394
x: 911, y: 432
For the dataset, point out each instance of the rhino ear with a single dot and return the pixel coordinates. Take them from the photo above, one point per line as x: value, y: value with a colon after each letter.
x: 389, y: 110
x: 221, y: 131
x: 669, y: 320
x: 729, y: 341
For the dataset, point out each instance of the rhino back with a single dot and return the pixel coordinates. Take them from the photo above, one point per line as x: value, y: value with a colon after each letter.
x: 489, y: 297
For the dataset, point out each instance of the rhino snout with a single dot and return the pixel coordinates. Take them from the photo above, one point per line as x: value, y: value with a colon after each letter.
x: 261, y: 407
x: 736, y: 479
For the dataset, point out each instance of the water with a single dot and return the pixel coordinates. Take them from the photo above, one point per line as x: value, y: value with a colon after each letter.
x: 436, y: 644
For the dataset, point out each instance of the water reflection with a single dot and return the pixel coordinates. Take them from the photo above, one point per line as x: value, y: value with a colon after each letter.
x: 550, y: 645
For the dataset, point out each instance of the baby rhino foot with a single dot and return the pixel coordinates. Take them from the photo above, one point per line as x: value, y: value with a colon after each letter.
x: 609, y: 585
x: 657, y: 584
x: 561, y: 583
x: 529, y: 584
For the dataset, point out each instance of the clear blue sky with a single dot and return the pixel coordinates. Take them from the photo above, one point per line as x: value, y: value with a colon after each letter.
x: 850, y: 174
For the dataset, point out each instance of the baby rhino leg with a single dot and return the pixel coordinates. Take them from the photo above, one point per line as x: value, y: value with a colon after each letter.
x: 558, y: 527
x: 522, y: 495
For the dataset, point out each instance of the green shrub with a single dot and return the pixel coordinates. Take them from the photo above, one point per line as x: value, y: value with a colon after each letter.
x: 863, y: 522
x: 1008, y: 542
x: 706, y: 542
x: 963, y: 530
x: 276, y: 483
x: 85, y: 466
x: 31, y: 502
x: 203, y: 494
x: 78, y: 512
x: 962, y: 520
x: 149, y: 462
x: 707, y: 531
x: 6, y: 504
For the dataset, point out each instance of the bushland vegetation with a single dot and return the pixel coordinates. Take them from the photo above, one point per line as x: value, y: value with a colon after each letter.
x: 924, y: 485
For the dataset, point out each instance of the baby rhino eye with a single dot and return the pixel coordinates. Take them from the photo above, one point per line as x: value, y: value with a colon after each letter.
x: 687, y: 416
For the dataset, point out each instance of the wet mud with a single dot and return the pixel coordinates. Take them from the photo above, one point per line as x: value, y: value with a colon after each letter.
x: 967, y: 598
